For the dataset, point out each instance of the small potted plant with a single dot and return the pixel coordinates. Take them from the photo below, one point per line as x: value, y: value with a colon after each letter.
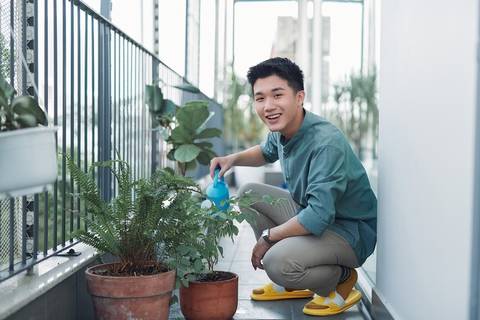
x: 213, y: 294
x: 184, y: 128
x: 148, y: 226
x: 28, y: 161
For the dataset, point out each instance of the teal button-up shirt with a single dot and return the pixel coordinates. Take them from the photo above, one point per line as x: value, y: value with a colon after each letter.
x: 328, y: 181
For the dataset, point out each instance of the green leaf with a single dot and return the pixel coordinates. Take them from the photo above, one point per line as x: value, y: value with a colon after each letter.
x: 204, y: 158
x: 187, y: 152
x: 26, y: 121
x: 27, y: 105
x: 191, y: 165
x: 171, y: 155
x: 180, y: 136
x: 188, y: 88
x: 204, y: 124
x: 169, y: 107
x: 198, y: 266
x: 204, y: 145
x: 209, y: 133
x: 193, y: 114
x: 6, y: 90
x: 154, y: 99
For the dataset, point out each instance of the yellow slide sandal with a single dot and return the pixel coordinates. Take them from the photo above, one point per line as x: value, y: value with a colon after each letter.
x: 333, y: 304
x: 268, y: 293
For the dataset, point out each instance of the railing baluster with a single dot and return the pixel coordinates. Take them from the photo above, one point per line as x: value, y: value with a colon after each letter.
x: 72, y: 114
x: 45, y: 101
x: 64, y: 121
x: 79, y: 110
x: 55, y: 118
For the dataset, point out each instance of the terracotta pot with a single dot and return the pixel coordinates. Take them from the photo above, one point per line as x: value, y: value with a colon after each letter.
x: 216, y: 300
x: 142, y: 297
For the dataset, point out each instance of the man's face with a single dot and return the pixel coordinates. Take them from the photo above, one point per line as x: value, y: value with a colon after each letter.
x: 277, y: 104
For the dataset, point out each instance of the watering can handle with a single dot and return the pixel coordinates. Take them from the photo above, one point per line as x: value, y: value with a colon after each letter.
x: 215, y: 177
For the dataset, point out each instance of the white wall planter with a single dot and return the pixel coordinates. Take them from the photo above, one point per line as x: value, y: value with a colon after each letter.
x: 28, y: 161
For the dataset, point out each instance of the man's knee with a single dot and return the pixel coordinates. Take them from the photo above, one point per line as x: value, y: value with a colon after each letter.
x: 283, y: 270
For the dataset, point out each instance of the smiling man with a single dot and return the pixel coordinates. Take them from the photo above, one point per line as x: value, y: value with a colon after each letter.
x: 311, y: 244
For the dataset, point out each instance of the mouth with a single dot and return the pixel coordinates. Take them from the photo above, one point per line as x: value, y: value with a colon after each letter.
x: 274, y: 116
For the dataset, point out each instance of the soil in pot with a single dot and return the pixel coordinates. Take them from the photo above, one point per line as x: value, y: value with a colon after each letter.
x: 212, y: 297
x: 122, y: 292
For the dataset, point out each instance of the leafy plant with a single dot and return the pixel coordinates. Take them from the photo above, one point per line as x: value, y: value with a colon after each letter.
x: 18, y: 112
x: 147, y: 225
x: 183, y: 128
x: 357, y: 111
x: 244, y: 126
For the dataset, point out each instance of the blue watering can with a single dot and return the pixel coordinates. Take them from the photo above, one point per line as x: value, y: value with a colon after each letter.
x: 217, y: 192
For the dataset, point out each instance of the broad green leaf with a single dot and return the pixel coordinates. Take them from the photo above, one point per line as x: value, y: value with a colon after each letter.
x: 27, y: 105
x: 26, y: 121
x: 154, y: 99
x: 193, y: 115
x: 204, y: 158
x: 191, y: 165
x: 187, y: 152
x: 209, y: 133
x: 204, y: 145
x: 204, y: 124
x: 180, y: 135
x: 171, y: 155
x: 188, y: 88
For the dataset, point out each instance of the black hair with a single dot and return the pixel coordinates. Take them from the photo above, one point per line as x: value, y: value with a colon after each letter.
x: 281, y: 67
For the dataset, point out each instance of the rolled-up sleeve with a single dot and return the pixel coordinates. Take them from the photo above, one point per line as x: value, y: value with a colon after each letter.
x: 269, y: 148
x: 326, y: 183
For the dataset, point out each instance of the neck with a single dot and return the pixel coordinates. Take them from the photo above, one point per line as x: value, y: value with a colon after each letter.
x: 289, y: 132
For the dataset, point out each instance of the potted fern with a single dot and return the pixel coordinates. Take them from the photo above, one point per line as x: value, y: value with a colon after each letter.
x: 150, y: 226
x: 24, y: 136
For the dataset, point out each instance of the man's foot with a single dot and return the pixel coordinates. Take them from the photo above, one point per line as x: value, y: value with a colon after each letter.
x: 333, y: 304
x: 344, y: 297
x: 270, y: 292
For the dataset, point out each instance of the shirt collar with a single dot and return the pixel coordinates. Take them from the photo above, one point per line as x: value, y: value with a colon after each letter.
x: 308, y: 121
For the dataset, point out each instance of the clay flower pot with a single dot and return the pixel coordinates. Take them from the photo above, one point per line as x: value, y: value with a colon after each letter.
x: 215, y: 300
x: 141, y: 297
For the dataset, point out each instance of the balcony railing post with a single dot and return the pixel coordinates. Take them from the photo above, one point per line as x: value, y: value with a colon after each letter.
x: 155, y: 135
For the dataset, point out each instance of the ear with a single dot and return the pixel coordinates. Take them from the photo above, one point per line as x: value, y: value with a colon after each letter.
x: 300, y: 97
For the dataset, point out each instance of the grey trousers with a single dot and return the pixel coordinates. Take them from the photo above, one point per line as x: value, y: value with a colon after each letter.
x: 301, y: 262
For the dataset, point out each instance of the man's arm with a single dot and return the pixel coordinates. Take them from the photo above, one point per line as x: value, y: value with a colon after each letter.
x: 252, y: 157
x: 290, y: 228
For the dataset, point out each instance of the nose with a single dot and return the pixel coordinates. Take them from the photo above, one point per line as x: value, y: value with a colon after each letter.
x: 268, y: 104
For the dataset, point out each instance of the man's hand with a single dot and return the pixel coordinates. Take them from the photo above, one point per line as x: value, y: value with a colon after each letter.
x: 225, y: 164
x: 258, y: 252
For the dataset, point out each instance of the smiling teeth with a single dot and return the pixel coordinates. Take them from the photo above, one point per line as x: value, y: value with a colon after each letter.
x: 275, y: 116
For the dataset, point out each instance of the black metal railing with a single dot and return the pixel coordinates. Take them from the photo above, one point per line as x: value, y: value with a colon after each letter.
x: 89, y: 76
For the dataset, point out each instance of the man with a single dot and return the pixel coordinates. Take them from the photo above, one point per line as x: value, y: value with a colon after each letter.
x: 328, y: 228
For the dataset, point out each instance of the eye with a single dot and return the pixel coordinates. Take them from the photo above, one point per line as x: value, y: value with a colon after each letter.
x: 259, y: 99
x: 278, y: 95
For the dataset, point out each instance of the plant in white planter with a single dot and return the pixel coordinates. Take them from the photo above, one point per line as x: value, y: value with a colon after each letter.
x: 28, y: 160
